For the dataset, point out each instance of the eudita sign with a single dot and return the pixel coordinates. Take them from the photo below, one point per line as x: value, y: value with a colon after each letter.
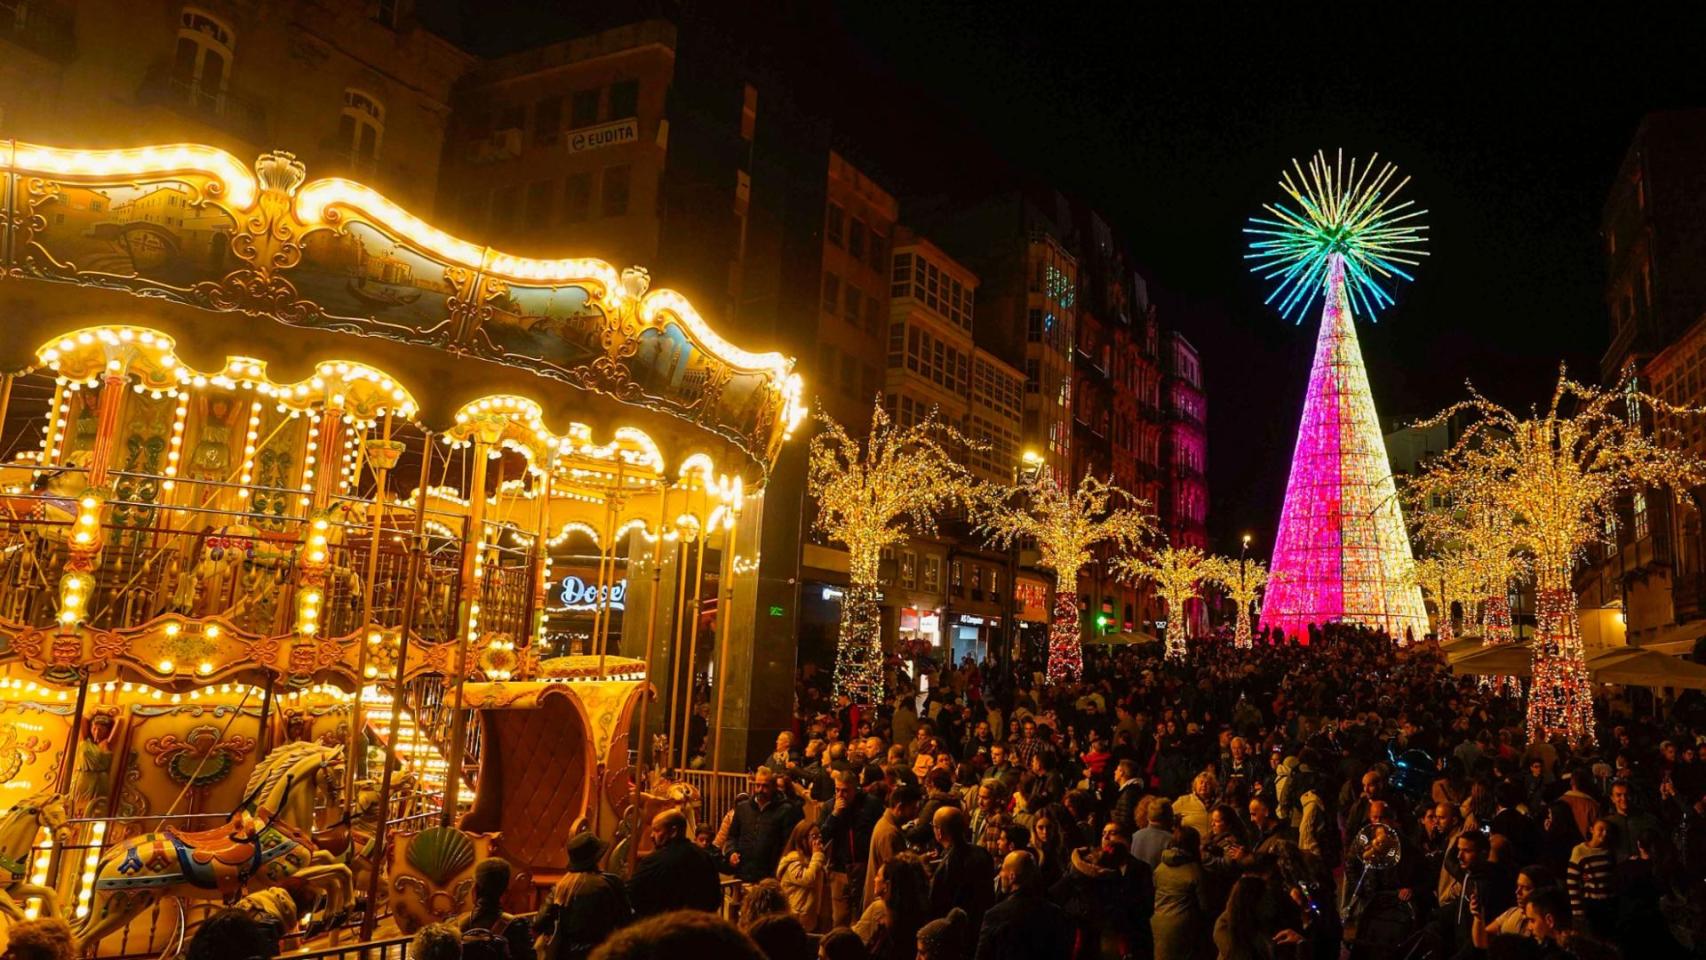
x: 604, y: 135
x: 580, y: 595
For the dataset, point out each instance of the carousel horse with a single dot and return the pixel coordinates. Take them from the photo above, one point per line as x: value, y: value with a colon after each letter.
x: 20, y: 828
x: 359, y: 826
x: 266, y: 842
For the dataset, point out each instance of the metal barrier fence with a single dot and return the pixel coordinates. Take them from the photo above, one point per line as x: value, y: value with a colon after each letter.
x: 718, y: 792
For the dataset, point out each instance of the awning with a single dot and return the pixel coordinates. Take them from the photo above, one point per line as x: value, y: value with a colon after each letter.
x: 1678, y: 638
x: 1643, y: 667
x: 1131, y: 638
x: 1509, y: 659
x: 1460, y: 648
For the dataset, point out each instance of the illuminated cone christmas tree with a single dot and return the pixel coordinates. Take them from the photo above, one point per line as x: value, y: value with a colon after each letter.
x: 1342, y: 553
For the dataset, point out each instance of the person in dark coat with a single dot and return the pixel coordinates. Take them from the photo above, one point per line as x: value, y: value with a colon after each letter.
x: 846, y: 827
x: 760, y: 829
x: 586, y: 905
x: 677, y: 874
x: 1025, y: 925
x: 1518, y: 829
x: 1109, y: 895
x: 966, y: 876
x: 1130, y: 791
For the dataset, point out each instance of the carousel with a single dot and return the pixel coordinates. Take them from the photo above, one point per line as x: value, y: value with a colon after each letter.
x: 333, y: 547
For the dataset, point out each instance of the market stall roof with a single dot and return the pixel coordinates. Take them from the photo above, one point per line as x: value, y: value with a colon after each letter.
x: 1640, y: 667
x: 1510, y: 659
x: 1130, y: 637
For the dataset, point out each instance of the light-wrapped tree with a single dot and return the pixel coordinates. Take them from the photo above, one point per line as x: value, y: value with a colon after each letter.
x: 873, y: 494
x: 1179, y: 573
x: 1065, y: 524
x: 1558, y: 474
x: 1244, y: 581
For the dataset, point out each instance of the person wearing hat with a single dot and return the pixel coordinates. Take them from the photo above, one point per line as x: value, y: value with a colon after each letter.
x: 586, y: 906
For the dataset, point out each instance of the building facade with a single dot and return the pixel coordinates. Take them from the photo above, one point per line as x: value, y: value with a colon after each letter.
x: 370, y: 88
x: 1648, y: 585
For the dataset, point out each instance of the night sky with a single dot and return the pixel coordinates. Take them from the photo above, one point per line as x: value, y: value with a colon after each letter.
x: 1176, y: 122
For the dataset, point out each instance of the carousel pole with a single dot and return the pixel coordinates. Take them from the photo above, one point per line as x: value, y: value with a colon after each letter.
x: 357, y: 724
x: 651, y: 641
x: 5, y: 395
x: 473, y: 547
x: 675, y: 649
x: 541, y: 562
x: 68, y: 768
x: 370, y: 918
x: 725, y: 586
x: 264, y: 738
x: 693, y: 638
x: 607, y: 580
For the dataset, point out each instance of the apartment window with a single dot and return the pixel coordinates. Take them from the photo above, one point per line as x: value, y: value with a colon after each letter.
x: 360, y: 126
x: 853, y: 304
x: 908, y: 569
x: 932, y: 579
x: 873, y: 319
x: 1640, y: 510
x: 1034, y: 326
x: 583, y: 108
x: 897, y: 343
x: 901, y: 276
x: 539, y: 197
x: 856, y: 239
x: 624, y: 100
x: 577, y: 197
x: 613, y: 196
x: 1033, y: 376
x: 832, y: 221
x: 202, y: 62
x: 547, y: 121
x: 954, y: 578
x: 879, y: 251
x: 831, y: 292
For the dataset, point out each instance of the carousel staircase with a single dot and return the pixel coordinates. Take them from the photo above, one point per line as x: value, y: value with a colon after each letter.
x: 423, y: 739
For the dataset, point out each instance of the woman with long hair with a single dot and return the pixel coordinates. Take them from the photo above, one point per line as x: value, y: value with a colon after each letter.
x: 804, y: 875
x: 1049, y: 847
x: 1560, y: 838
x: 890, y: 923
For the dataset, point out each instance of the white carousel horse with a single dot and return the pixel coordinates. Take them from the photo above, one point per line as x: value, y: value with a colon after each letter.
x: 267, y: 842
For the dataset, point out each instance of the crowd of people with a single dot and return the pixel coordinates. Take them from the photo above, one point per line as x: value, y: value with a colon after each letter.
x: 1343, y: 798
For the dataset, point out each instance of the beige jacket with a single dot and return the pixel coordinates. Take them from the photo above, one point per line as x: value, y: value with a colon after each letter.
x: 806, y: 883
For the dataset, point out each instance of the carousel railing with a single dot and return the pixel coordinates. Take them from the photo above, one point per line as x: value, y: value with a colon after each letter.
x: 196, y: 551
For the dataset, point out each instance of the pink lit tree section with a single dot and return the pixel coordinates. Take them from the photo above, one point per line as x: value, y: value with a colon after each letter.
x: 1342, y: 553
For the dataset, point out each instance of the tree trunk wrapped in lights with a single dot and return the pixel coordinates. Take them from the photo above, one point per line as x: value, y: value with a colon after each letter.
x: 1244, y: 581
x: 1558, y: 477
x: 1447, y: 578
x: 1179, y: 573
x: 1065, y: 524
x: 873, y: 495
x: 1482, y: 536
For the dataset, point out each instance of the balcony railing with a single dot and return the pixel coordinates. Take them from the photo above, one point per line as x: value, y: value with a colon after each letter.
x: 202, y: 100
x: 43, y: 28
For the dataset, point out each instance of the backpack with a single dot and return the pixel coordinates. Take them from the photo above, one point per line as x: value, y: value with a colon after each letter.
x: 487, y: 943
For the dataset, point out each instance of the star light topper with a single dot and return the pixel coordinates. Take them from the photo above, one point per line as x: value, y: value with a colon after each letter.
x: 1334, y: 214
